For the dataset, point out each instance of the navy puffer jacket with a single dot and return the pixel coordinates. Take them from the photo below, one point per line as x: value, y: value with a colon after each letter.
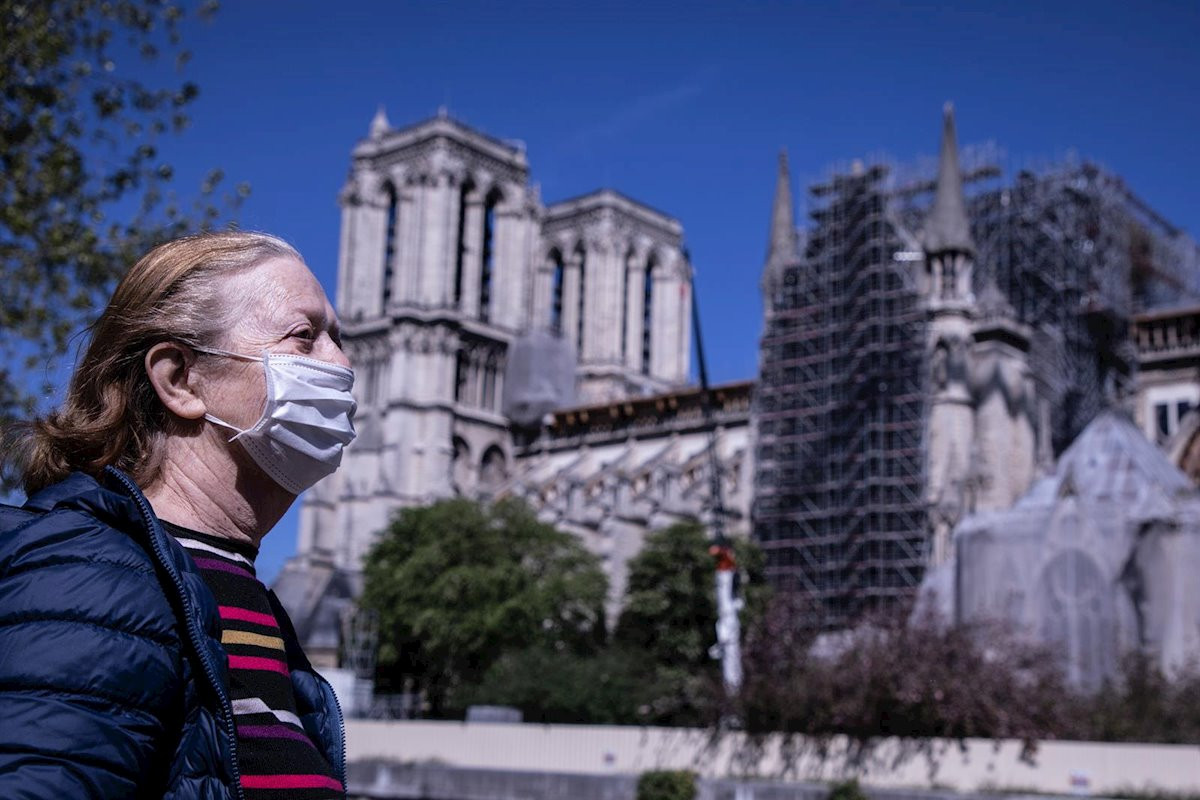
x: 113, y: 681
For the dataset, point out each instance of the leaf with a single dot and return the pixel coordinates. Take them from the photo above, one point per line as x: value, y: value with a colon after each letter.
x: 81, y: 189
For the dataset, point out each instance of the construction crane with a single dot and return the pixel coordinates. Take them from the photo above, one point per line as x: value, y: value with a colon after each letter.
x: 728, y: 647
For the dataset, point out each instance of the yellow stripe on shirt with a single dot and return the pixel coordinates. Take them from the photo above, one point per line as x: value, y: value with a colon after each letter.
x: 245, y: 637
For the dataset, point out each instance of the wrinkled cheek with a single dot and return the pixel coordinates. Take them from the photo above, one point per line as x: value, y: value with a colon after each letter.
x: 253, y: 400
x: 241, y: 398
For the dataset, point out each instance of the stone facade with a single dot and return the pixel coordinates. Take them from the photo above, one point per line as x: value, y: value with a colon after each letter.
x: 610, y: 473
x: 613, y: 280
x: 448, y: 259
x: 1167, y: 401
x: 1096, y: 560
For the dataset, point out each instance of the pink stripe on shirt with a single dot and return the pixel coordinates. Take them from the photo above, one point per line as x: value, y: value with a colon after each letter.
x: 272, y: 732
x: 257, y: 662
x: 222, y: 566
x: 246, y: 615
x: 290, y: 782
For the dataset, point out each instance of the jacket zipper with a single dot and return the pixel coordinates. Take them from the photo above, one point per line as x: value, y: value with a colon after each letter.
x: 301, y: 663
x: 190, y: 622
x: 341, y: 728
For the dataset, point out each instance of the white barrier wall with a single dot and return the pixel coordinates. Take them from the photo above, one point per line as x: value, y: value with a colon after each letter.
x: 1057, y: 767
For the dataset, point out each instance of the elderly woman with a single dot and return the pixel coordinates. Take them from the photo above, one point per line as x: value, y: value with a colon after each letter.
x: 139, y: 654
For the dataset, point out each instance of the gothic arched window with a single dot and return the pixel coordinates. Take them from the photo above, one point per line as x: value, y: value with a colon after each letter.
x: 461, y: 366
x: 460, y: 249
x: 625, y: 307
x: 647, y: 314
x: 460, y: 466
x: 949, y: 276
x: 492, y: 470
x: 490, y: 370
x: 389, y: 242
x: 581, y: 257
x: 488, y: 262
x: 556, y: 292
x: 1076, y: 616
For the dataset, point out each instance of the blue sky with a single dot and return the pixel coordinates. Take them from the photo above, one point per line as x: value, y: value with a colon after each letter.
x: 685, y: 106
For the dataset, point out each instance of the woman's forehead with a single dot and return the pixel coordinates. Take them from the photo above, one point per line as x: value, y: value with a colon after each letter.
x: 285, y: 286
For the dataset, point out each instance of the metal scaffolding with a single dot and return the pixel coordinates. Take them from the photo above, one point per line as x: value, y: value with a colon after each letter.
x: 1077, y: 254
x: 842, y: 401
x: 841, y: 410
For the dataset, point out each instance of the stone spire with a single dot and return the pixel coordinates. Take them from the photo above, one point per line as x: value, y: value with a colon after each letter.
x: 782, y: 247
x: 379, y: 123
x: 947, y: 228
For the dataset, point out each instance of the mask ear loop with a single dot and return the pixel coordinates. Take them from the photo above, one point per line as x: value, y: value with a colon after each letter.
x: 270, y: 384
x: 216, y: 351
x: 224, y: 424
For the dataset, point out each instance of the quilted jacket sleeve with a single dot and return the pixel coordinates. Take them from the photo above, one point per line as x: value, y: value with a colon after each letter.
x: 90, y: 663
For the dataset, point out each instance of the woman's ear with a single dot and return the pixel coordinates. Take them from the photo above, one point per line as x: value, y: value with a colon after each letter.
x: 168, y: 366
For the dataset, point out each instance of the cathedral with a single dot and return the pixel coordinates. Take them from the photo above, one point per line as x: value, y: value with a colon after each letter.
x: 942, y: 364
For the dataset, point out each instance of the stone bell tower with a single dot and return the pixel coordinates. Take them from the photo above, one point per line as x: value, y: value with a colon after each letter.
x: 451, y: 272
x: 439, y: 225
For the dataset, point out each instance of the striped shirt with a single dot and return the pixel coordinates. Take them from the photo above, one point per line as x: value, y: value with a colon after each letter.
x: 276, y: 757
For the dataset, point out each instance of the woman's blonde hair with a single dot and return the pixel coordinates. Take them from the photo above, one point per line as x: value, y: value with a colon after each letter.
x: 111, y: 414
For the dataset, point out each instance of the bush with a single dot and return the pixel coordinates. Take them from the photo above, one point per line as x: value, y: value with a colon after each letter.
x: 920, y: 679
x: 896, y: 677
x: 679, y: 784
x: 1143, y: 705
x: 847, y: 790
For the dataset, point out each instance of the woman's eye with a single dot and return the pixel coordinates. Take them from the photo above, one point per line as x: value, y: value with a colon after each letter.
x: 304, y: 333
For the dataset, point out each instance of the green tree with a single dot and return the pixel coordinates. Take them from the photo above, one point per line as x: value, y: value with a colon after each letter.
x: 670, y: 608
x: 669, y: 620
x: 457, y: 585
x: 83, y: 189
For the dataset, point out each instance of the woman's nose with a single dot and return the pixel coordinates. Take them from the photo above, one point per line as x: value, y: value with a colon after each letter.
x: 332, y: 353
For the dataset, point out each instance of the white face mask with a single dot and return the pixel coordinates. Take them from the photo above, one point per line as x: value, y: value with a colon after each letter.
x: 306, y: 422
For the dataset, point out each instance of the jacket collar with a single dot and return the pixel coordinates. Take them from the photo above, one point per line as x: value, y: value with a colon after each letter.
x: 76, y: 487
x: 108, y: 501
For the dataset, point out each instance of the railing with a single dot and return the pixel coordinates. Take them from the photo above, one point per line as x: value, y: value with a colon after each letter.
x: 1168, y: 335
